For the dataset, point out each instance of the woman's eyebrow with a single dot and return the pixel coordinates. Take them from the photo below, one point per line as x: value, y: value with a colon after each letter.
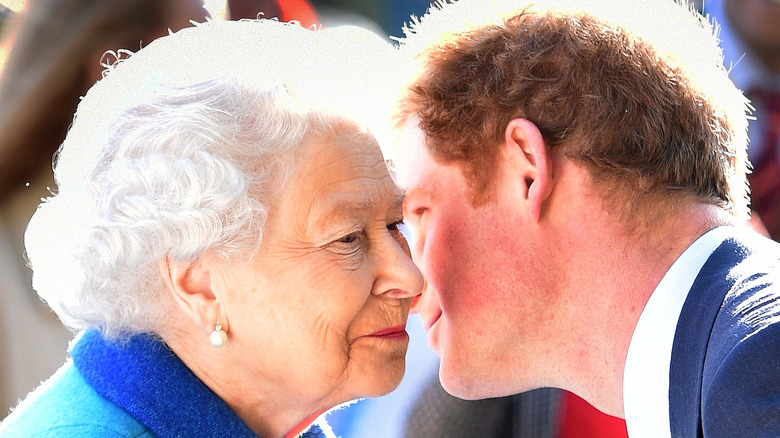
x: 400, y: 196
x: 348, y: 205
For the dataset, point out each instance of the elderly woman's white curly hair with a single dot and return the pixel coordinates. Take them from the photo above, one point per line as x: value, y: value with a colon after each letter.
x: 180, y: 148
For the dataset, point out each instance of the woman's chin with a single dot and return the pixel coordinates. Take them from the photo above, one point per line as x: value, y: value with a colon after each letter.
x: 381, y: 382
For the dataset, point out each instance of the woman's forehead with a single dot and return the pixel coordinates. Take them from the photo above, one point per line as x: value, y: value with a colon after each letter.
x: 340, y: 175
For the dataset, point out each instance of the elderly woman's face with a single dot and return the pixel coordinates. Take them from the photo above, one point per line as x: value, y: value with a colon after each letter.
x: 320, y: 311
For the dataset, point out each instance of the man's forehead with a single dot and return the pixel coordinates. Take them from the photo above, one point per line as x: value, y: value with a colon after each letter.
x: 412, y: 155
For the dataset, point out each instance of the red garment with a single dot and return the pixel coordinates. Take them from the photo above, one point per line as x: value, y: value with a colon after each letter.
x: 581, y: 420
x: 765, y: 179
x: 285, y: 10
x: 298, y: 10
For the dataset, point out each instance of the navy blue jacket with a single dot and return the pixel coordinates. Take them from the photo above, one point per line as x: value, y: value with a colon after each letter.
x: 725, y: 365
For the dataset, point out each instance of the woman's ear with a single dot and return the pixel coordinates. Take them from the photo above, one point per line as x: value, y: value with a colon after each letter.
x: 191, y: 288
x: 528, y: 158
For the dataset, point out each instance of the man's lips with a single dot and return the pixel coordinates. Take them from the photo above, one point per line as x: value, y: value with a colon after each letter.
x: 395, y: 332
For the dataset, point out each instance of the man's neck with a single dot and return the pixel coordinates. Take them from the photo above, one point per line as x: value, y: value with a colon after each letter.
x: 613, y: 276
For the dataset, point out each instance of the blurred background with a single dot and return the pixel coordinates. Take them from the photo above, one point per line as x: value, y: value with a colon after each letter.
x: 50, y: 53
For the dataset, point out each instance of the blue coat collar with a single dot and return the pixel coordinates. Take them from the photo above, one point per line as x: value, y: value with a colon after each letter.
x: 146, y: 379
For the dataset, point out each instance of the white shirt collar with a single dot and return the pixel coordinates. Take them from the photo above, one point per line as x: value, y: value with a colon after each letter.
x: 646, y: 374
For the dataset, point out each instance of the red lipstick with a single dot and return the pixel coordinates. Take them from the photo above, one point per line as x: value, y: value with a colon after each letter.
x: 396, y: 332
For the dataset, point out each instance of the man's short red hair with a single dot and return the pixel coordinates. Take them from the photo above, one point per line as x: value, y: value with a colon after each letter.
x: 632, y: 112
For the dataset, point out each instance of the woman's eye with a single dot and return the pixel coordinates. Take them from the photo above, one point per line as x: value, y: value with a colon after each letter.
x: 349, y: 238
x: 349, y: 245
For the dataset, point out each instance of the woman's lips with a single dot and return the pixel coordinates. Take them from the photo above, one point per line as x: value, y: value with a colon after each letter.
x: 395, y: 332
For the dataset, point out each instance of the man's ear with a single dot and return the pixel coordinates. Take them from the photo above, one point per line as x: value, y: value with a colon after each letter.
x: 190, y: 285
x: 526, y: 150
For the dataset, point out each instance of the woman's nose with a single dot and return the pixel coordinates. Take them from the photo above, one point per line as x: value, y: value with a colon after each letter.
x: 397, y: 274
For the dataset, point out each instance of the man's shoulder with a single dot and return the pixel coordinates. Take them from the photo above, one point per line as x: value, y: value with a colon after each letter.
x: 752, y: 300
x: 741, y: 389
x: 741, y: 383
x: 746, y: 267
x: 66, y: 405
x: 737, y: 289
x: 726, y: 333
x: 759, y: 253
x: 762, y: 251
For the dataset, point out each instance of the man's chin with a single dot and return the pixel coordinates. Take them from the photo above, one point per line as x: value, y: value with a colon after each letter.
x: 469, y: 384
x: 462, y: 384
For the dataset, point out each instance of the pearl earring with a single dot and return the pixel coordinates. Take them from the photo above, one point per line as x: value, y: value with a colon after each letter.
x: 218, y: 336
